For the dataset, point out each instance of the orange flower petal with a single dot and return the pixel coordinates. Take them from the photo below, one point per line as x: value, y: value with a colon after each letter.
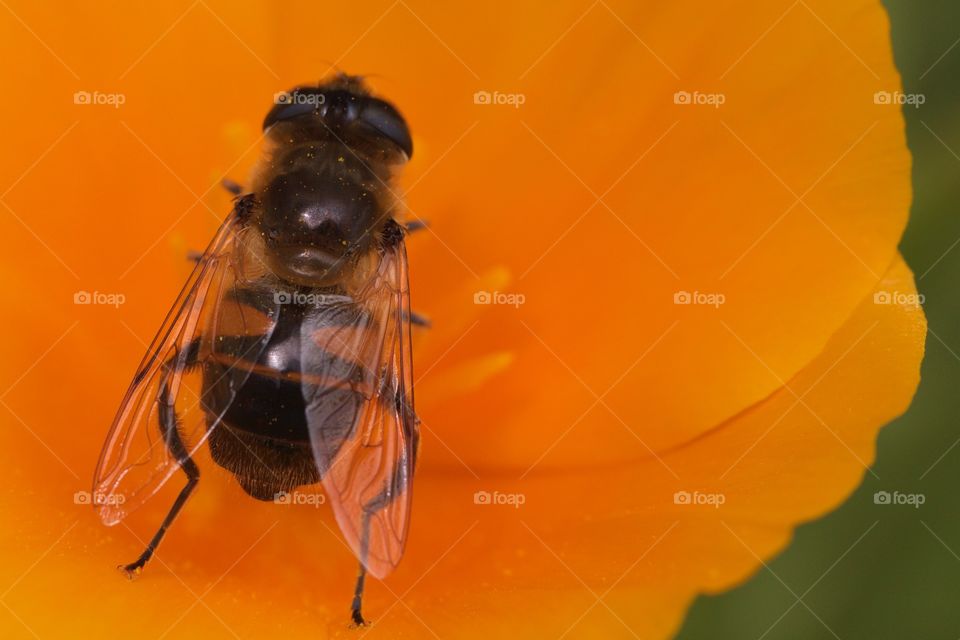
x: 788, y: 200
x: 494, y: 568
x: 674, y: 219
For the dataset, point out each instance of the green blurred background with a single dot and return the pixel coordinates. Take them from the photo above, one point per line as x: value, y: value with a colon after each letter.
x: 902, y: 579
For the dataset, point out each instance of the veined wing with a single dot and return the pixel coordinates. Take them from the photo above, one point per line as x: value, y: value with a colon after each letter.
x: 168, y: 411
x: 360, y: 411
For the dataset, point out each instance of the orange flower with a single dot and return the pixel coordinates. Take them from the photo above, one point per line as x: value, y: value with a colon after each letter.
x: 690, y: 211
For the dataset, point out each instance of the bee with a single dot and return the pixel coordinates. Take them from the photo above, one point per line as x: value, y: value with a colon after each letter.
x: 288, y: 350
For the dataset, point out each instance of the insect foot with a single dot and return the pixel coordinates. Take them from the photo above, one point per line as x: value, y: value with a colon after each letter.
x: 132, y: 571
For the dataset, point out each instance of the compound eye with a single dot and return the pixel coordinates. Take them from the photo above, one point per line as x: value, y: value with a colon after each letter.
x: 293, y: 103
x: 382, y: 117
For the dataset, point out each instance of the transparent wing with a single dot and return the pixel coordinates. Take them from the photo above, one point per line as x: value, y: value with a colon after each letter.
x: 222, y: 319
x: 358, y: 389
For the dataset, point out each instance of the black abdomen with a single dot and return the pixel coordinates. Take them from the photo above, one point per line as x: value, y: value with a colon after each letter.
x: 263, y: 438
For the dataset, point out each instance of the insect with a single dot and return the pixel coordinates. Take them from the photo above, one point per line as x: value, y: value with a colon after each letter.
x: 288, y: 351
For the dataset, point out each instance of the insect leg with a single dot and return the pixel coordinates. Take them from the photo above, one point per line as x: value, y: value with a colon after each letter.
x: 369, y: 509
x: 169, y: 427
x: 362, y: 574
